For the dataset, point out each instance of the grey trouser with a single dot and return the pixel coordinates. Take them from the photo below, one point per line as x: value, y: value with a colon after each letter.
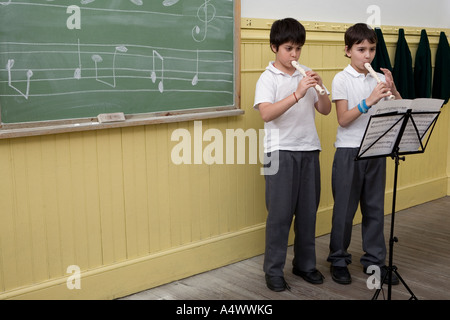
x: 293, y: 191
x: 354, y: 182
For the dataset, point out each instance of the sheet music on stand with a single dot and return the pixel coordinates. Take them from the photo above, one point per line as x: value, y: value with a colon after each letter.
x: 415, y: 119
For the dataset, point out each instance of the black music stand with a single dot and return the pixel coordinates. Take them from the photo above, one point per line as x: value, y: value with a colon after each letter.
x: 395, y: 134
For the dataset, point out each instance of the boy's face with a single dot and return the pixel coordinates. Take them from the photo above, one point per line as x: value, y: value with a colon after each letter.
x: 361, y: 53
x: 286, y: 53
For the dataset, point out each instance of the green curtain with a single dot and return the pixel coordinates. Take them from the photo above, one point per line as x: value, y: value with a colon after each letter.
x: 403, y: 72
x: 441, y: 80
x: 422, y: 68
x: 381, y: 59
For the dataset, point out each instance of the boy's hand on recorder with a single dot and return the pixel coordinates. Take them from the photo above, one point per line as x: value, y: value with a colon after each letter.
x: 381, y: 91
x: 304, y: 85
x: 390, y: 82
x: 388, y: 76
x: 315, y: 76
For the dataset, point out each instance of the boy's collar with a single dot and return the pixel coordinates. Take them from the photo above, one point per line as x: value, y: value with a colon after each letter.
x: 272, y: 68
x: 275, y: 70
x: 353, y: 72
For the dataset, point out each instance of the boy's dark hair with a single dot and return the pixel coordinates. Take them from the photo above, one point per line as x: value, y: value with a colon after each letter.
x: 287, y: 30
x: 358, y: 33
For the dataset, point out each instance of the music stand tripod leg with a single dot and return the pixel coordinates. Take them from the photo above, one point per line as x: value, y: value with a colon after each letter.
x: 392, y: 239
x: 413, y: 296
x: 388, y: 275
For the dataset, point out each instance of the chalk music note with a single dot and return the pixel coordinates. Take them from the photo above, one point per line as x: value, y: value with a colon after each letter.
x: 98, y: 59
x: 195, y: 78
x: 77, y: 73
x: 136, y: 2
x: 168, y: 3
x: 205, y: 13
x: 9, y: 66
x: 153, y: 75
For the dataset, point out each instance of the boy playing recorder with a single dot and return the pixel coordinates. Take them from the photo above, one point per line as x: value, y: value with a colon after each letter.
x: 355, y: 91
x: 287, y: 102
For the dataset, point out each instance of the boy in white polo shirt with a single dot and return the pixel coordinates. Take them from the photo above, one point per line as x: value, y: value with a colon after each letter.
x: 355, y: 91
x: 287, y: 102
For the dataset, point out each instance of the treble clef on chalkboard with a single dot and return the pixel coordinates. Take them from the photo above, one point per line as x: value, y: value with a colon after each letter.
x: 205, y: 13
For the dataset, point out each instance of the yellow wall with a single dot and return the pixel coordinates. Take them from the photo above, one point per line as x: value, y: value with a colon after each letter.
x: 112, y: 202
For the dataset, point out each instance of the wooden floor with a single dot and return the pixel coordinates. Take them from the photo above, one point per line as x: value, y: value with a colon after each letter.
x: 422, y: 256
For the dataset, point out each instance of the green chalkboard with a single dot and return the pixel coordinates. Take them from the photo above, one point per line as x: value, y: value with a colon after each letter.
x: 78, y: 59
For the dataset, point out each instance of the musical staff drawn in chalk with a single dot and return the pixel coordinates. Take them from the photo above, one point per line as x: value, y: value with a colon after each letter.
x: 9, y: 66
x: 166, y: 3
x: 50, y: 69
x: 153, y: 76
x: 205, y: 13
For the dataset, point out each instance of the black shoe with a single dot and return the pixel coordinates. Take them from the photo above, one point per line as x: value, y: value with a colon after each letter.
x: 340, y: 275
x: 314, y: 277
x: 276, y: 283
x: 394, y: 279
x: 384, y: 270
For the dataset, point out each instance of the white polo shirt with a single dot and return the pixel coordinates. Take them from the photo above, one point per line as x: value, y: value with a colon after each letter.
x: 353, y: 86
x: 297, y: 129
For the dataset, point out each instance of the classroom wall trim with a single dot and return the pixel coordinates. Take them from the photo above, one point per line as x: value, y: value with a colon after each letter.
x: 112, y: 202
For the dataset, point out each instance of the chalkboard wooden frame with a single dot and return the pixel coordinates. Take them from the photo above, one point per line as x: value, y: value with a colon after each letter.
x: 35, y: 128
